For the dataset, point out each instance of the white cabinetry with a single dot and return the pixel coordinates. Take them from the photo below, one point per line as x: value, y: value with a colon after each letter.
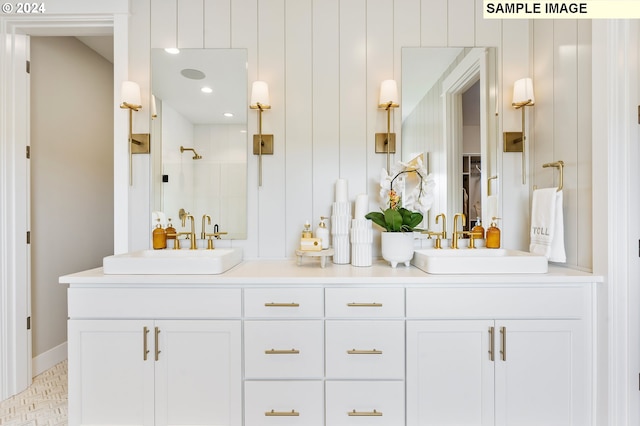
x: 154, y: 371
x: 499, y: 371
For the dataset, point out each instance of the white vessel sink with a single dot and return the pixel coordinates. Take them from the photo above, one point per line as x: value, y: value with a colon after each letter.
x: 479, y: 261
x: 154, y: 262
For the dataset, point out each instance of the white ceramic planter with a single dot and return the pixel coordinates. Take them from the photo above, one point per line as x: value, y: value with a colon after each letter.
x: 397, y: 247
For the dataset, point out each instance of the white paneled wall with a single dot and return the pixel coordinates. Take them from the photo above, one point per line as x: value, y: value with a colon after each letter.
x: 324, y: 61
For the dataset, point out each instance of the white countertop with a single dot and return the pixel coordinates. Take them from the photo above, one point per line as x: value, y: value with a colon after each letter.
x: 277, y: 272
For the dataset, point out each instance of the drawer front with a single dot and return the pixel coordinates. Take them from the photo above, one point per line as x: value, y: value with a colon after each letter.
x: 284, y: 349
x: 284, y: 403
x: 283, y: 302
x: 539, y: 302
x: 139, y: 303
x: 365, y: 349
x: 374, y: 403
x: 364, y: 302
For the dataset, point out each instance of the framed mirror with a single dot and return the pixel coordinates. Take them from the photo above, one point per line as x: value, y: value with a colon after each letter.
x: 199, y: 135
x: 448, y: 104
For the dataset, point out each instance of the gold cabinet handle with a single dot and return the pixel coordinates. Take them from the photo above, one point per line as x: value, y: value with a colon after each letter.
x: 374, y: 413
x: 156, y: 343
x: 282, y: 305
x: 503, y: 343
x: 364, y: 352
x: 274, y: 413
x: 282, y: 351
x: 145, y: 349
x: 492, y: 342
x: 364, y: 305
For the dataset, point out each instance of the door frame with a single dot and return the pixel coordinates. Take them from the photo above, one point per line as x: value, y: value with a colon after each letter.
x: 69, y: 19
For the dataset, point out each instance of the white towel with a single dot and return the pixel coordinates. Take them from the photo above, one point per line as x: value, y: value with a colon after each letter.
x: 547, y: 226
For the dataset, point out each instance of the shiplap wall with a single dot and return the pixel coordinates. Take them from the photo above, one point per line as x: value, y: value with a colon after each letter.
x: 324, y: 61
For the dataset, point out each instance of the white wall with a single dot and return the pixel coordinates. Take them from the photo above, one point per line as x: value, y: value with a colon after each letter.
x: 71, y: 175
x: 324, y: 61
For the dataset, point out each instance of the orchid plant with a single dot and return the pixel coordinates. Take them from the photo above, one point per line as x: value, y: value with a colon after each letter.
x: 407, y: 188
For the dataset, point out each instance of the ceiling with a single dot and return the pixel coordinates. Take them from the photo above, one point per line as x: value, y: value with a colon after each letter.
x: 225, y: 72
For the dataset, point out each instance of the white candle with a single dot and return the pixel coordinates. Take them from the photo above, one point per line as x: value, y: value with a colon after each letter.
x: 362, y: 205
x: 342, y: 195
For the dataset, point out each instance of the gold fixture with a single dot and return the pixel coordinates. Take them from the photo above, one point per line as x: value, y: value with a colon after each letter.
x: 281, y: 305
x: 130, y: 96
x: 492, y: 342
x: 456, y: 233
x: 373, y: 413
x: 366, y: 305
x: 292, y: 413
x: 503, y: 343
x: 439, y: 235
x: 145, y: 349
x: 262, y: 144
x: 489, y: 179
x: 196, y: 156
x: 560, y: 166
x: 203, y: 233
x: 386, y: 142
x: 157, y: 338
x: 514, y: 141
x: 282, y: 352
x: 191, y: 235
x: 364, y: 352
x: 140, y: 143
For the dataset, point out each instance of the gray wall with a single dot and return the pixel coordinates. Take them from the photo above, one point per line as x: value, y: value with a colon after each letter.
x: 71, y: 175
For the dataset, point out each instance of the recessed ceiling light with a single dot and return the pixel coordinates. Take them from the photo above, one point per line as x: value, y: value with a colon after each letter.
x: 228, y: 114
x: 192, y: 74
x: 172, y: 50
x: 206, y: 89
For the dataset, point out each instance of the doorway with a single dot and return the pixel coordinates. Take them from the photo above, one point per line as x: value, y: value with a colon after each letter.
x: 71, y: 175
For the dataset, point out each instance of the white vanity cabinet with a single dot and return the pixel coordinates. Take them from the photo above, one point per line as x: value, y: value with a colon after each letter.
x: 153, y: 371
x: 505, y: 356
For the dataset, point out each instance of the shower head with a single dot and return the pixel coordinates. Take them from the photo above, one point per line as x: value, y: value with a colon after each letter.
x: 196, y: 156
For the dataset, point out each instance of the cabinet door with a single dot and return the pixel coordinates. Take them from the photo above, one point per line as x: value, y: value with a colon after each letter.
x: 543, y: 377
x: 198, y: 377
x: 110, y: 381
x: 449, y: 373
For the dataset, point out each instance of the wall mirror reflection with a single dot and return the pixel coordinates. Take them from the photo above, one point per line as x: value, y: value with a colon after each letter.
x: 200, y: 136
x: 447, y: 99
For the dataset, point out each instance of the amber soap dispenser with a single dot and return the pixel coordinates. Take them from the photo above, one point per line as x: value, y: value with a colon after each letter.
x: 159, y: 237
x: 493, y: 234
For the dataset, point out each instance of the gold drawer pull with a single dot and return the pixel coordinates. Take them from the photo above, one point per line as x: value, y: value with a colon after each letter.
x: 282, y: 351
x: 145, y: 347
x: 373, y: 413
x: 364, y: 352
x: 364, y: 305
x: 282, y: 305
x: 272, y: 413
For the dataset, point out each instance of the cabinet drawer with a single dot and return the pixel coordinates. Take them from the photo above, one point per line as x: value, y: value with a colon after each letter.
x: 283, y: 302
x: 284, y: 349
x: 135, y: 303
x: 284, y: 403
x: 539, y: 302
x: 364, y: 302
x: 365, y: 349
x: 365, y: 403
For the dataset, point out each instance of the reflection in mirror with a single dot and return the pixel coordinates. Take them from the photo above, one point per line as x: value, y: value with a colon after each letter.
x: 446, y: 98
x: 201, y: 127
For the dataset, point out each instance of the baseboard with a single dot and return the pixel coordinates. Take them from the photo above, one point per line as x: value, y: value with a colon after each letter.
x: 46, y: 360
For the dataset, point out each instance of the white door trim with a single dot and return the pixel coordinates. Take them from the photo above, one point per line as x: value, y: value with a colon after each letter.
x: 15, y: 362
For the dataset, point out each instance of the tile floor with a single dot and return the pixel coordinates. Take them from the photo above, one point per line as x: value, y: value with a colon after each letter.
x: 44, y: 403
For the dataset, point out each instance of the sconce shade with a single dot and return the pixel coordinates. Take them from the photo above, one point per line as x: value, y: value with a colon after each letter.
x: 523, y: 92
x: 388, y: 94
x: 260, y: 95
x: 130, y: 94
x: 154, y: 108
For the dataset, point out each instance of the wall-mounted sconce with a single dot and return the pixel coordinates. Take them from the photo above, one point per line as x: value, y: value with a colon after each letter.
x: 154, y: 107
x: 386, y: 142
x: 262, y: 144
x: 514, y: 141
x: 138, y: 143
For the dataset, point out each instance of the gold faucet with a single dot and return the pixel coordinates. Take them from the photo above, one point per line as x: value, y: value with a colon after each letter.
x: 456, y: 233
x: 439, y: 235
x: 216, y: 234
x: 203, y: 234
x: 191, y: 234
